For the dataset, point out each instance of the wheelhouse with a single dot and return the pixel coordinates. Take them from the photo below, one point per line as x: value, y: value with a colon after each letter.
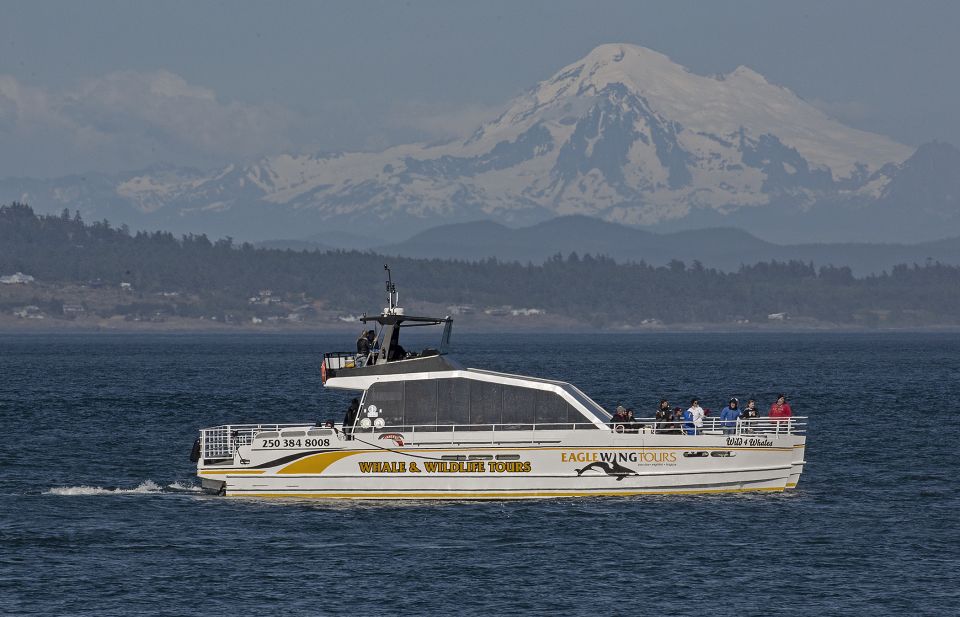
x: 386, y: 356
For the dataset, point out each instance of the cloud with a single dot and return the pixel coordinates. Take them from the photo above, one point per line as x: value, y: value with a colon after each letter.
x: 129, y: 119
x: 439, y: 121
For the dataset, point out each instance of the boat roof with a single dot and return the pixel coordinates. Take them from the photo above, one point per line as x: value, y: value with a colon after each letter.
x: 393, y: 318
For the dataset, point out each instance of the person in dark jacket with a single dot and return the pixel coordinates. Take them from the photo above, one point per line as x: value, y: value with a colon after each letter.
x: 663, y: 416
x: 351, y: 416
x: 364, y: 345
x: 749, y: 414
x: 620, y: 421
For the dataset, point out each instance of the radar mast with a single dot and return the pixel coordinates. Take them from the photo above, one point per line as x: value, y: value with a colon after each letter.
x: 393, y: 296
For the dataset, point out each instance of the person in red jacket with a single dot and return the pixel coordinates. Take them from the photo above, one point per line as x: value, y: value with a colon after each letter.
x: 780, y: 409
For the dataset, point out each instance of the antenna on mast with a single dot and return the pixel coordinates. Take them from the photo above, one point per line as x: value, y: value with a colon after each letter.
x: 393, y: 297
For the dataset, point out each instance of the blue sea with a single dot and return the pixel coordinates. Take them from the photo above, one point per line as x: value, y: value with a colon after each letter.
x: 100, y: 513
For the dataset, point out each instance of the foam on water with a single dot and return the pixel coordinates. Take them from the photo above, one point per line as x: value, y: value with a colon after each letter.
x: 145, y: 487
x: 184, y: 487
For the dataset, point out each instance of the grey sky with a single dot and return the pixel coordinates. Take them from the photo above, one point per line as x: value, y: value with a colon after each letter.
x: 78, y: 79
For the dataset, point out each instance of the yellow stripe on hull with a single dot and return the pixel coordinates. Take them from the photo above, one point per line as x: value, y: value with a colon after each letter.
x: 502, y: 495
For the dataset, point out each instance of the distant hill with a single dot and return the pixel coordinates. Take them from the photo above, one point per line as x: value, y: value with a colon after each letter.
x: 723, y: 248
x: 156, y: 273
x: 294, y: 245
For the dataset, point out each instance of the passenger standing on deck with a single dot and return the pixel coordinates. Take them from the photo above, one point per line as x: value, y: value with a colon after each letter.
x: 620, y: 419
x: 750, y: 413
x: 676, y: 421
x: 663, y: 417
x: 694, y: 417
x: 780, y: 410
x: 364, y: 345
x: 687, y: 426
x: 729, y: 416
x: 351, y: 416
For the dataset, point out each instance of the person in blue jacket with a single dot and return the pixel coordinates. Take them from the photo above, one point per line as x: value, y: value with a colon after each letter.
x: 729, y: 416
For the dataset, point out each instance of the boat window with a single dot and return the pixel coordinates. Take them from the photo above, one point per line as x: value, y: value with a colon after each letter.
x: 453, y: 401
x: 722, y: 453
x: 266, y: 434
x: 293, y: 433
x: 420, y: 402
x: 553, y: 409
x: 508, y: 457
x: 481, y: 457
x: 486, y: 402
x: 469, y: 405
x: 695, y: 454
x: 453, y: 457
x: 388, y: 398
x: 519, y: 405
x: 319, y: 431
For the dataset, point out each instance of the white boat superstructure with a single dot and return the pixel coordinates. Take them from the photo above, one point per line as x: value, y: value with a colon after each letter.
x: 427, y: 428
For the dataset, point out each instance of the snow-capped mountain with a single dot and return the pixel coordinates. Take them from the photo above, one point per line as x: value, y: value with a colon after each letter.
x: 625, y: 134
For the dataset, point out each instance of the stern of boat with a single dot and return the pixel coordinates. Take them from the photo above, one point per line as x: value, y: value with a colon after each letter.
x: 224, y: 453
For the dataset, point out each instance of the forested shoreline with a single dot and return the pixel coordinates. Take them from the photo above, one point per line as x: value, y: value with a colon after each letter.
x: 193, y: 274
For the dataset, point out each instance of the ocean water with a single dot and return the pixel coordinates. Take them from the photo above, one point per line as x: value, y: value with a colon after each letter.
x: 100, y: 513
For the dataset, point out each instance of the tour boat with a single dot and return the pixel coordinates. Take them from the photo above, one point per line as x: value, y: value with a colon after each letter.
x: 428, y: 428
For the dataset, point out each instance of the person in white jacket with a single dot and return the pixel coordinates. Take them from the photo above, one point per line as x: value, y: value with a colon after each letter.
x: 695, y: 415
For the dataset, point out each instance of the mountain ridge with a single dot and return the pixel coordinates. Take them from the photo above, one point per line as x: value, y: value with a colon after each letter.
x: 721, y: 247
x: 623, y: 134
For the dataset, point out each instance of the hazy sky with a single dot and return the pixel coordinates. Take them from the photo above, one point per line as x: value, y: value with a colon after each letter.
x: 99, y: 85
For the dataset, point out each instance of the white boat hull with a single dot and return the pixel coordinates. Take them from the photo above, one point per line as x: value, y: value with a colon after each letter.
x: 511, y: 465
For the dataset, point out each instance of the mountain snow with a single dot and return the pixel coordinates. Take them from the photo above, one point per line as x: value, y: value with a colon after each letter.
x: 624, y: 134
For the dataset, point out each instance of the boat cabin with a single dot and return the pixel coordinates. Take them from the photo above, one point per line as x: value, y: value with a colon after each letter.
x: 476, y: 400
x: 386, y: 356
x: 427, y: 388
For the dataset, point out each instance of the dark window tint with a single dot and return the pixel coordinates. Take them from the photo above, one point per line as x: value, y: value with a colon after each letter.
x: 519, y: 405
x: 453, y: 401
x: 486, y: 402
x: 467, y: 402
x: 420, y: 402
x: 552, y: 409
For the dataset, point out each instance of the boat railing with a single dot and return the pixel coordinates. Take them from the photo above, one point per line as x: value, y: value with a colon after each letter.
x: 220, y: 442
x: 469, y: 432
x: 336, y: 360
x: 796, y: 425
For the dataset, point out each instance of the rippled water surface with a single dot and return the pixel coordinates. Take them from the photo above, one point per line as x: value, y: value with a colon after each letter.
x: 100, y: 515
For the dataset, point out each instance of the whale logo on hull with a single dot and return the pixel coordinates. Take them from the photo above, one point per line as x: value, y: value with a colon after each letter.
x: 611, y: 469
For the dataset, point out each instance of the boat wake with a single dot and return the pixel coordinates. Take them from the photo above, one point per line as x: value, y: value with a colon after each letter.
x: 147, y: 487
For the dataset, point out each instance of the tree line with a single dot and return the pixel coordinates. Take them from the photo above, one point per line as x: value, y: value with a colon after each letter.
x: 600, y: 291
